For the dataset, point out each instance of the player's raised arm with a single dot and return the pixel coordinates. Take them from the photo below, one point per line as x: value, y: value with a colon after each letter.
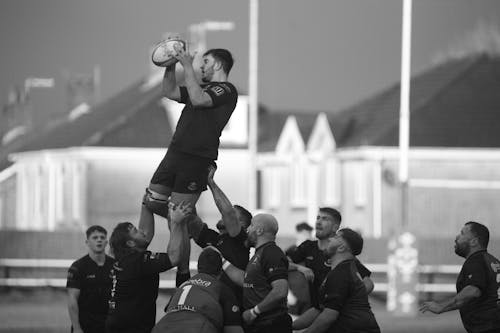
x: 178, y: 232
x: 197, y: 95
x: 170, y: 89
x: 224, y: 205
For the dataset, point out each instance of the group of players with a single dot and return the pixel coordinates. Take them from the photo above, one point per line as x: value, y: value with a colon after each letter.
x: 231, y: 292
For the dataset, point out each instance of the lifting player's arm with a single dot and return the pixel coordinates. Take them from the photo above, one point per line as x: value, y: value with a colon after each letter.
x: 147, y: 222
x: 177, y: 244
x: 323, y: 321
x: 308, y: 273
x: 278, y: 293
x: 197, y: 96
x: 466, y: 295
x: 229, y: 217
x: 306, y: 319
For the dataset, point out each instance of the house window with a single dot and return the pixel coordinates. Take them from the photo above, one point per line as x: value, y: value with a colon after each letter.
x: 332, y: 183
x: 298, y: 185
x: 360, y: 191
x: 272, y: 187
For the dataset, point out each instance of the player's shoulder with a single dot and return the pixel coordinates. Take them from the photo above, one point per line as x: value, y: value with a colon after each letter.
x: 272, y: 249
x: 81, y: 262
x: 222, y: 87
x: 309, y: 245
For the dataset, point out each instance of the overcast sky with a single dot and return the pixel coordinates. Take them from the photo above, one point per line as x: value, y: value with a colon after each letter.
x: 314, y: 55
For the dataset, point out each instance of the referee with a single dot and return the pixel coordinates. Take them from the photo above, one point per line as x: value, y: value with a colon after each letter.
x: 478, y: 284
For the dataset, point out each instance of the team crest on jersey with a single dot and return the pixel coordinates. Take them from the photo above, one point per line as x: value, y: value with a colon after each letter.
x: 495, y: 267
x: 235, y: 308
x: 192, y: 186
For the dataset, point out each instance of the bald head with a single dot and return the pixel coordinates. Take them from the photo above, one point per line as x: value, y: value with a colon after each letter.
x: 267, y: 222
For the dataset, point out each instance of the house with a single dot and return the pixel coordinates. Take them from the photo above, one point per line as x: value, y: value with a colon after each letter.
x: 349, y: 160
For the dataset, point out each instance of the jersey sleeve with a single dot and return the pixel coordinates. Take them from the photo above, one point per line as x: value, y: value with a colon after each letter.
x: 221, y: 93
x: 154, y: 262
x: 298, y: 254
x: 475, y: 274
x: 207, y: 237
x: 362, y: 270
x: 74, y: 278
x: 274, y: 264
x: 336, y: 289
x: 230, y: 308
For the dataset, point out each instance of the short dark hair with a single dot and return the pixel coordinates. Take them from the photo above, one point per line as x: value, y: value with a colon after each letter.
x: 95, y: 228
x: 209, y: 262
x: 353, y: 239
x: 303, y: 226
x: 223, y: 56
x: 245, y: 215
x: 335, y: 214
x: 118, y: 240
x: 481, y: 232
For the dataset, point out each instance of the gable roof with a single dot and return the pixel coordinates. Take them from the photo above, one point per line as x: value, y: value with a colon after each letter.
x: 132, y: 118
x: 455, y: 104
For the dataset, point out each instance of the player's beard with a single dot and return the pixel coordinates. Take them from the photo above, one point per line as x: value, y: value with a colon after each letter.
x: 330, y: 251
x: 462, y: 249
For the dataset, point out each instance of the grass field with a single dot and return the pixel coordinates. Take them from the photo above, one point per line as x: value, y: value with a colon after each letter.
x: 45, y: 312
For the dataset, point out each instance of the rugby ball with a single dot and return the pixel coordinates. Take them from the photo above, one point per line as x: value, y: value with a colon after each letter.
x: 164, y: 53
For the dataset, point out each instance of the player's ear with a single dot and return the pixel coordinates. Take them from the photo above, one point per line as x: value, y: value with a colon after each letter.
x: 218, y: 65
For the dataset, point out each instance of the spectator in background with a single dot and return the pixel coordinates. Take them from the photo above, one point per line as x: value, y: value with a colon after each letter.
x: 89, y: 284
x: 478, y: 284
x: 343, y: 300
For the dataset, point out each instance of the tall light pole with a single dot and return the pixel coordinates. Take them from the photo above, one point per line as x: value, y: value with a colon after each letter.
x: 253, y: 105
x: 404, y: 111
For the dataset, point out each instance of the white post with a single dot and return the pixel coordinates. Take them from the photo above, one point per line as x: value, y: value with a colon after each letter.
x: 253, y: 102
x: 404, y: 112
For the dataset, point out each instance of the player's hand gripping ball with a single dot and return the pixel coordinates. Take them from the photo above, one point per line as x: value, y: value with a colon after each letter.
x: 164, y: 52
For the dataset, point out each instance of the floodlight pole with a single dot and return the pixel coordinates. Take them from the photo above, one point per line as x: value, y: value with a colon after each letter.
x: 404, y: 112
x: 253, y: 102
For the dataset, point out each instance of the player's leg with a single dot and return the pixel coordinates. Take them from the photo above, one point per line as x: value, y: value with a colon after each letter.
x: 189, y: 183
x: 161, y: 184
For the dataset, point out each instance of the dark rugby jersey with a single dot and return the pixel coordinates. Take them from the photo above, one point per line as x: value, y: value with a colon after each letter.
x: 309, y: 253
x: 267, y: 265
x: 344, y: 291
x: 199, y: 128
x: 233, y: 249
x: 208, y: 296
x: 482, y: 270
x: 135, y: 289
x: 94, y: 283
